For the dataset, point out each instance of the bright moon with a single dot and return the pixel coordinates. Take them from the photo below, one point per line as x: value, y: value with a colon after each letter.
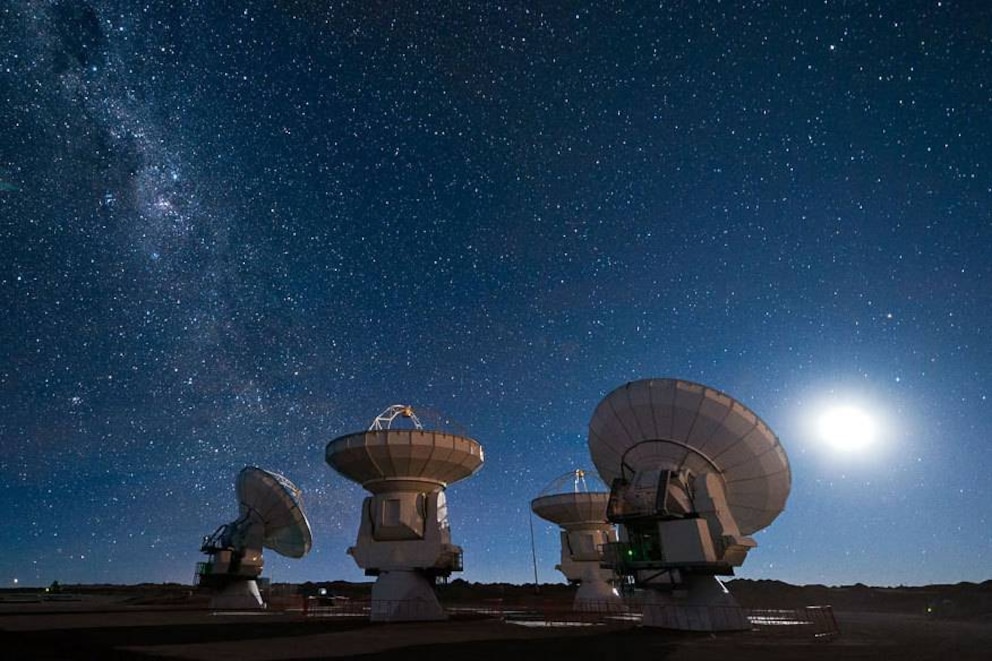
x: 847, y: 428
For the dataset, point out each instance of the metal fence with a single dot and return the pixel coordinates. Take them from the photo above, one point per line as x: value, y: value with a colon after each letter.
x: 814, y: 621
x: 806, y: 622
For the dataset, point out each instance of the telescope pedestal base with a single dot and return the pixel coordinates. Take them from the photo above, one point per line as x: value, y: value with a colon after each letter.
x: 238, y: 595
x: 702, y: 604
x: 404, y: 596
x: 597, y: 596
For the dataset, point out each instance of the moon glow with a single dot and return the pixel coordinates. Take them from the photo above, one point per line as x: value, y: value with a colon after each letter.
x: 847, y: 429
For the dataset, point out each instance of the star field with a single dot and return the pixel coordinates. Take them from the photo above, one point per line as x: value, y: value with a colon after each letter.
x: 228, y: 236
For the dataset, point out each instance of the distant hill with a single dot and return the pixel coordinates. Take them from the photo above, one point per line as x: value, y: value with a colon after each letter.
x: 957, y: 600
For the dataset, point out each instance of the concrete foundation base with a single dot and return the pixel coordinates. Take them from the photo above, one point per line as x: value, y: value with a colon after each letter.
x: 238, y: 595
x: 701, y: 604
x: 404, y: 596
x: 597, y: 596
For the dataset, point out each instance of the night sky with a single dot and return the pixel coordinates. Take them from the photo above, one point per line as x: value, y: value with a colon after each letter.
x: 228, y: 236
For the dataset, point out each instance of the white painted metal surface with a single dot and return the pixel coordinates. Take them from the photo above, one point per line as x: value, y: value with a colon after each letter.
x: 679, y: 425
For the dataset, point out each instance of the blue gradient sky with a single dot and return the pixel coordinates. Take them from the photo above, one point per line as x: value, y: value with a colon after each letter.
x: 227, y: 237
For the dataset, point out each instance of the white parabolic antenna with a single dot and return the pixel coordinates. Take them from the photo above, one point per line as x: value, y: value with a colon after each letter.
x: 680, y: 425
x: 271, y: 516
x: 276, y: 501
x: 692, y: 473
x: 585, y: 531
x: 404, y: 537
x: 385, y: 459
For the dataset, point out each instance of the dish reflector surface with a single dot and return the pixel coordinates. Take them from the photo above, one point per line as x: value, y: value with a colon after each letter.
x: 572, y: 508
x: 389, y: 455
x: 672, y: 424
x: 276, y: 501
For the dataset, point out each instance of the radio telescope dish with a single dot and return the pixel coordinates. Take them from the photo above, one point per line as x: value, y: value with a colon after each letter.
x: 683, y: 426
x: 404, y: 538
x: 276, y: 501
x: 380, y: 458
x: 585, y: 530
x: 692, y: 473
x: 271, y: 516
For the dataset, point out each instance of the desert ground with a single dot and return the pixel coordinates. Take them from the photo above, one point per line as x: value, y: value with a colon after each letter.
x: 172, y: 622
